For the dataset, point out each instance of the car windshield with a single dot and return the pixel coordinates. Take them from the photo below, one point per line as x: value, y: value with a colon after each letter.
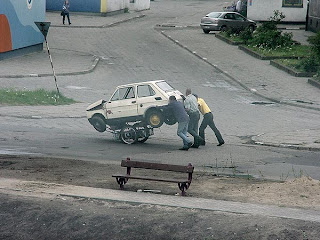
x: 214, y: 15
x: 164, y: 86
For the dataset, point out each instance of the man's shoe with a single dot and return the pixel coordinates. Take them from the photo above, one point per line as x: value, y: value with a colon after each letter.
x: 184, y: 149
x: 195, y: 146
x: 220, y: 144
x: 190, y: 144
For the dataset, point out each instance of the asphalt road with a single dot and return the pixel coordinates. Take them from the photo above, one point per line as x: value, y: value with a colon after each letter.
x: 135, y: 51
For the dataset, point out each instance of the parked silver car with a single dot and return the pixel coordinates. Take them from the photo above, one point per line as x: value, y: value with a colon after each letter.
x: 221, y: 21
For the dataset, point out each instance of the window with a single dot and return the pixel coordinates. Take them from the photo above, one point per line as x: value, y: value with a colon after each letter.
x: 164, y: 86
x: 292, y: 3
x: 214, y: 15
x: 238, y: 17
x: 123, y: 93
x: 145, y: 91
x: 229, y: 16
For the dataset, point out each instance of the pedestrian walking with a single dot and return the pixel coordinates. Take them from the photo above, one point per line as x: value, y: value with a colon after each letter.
x: 65, y: 11
x: 239, y: 6
x: 207, y: 120
x: 191, y: 106
x: 182, y: 117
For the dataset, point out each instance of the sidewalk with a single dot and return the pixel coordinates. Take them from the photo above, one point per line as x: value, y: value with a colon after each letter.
x: 36, y: 189
x: 254, y: 75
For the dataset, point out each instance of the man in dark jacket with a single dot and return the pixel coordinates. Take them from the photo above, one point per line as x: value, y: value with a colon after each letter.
x: 182, y: 117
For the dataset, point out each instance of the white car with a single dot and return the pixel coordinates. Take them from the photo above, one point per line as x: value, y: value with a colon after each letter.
x: 136, y: 102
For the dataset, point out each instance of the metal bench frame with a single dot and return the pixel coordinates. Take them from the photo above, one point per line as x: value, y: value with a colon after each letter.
x: 183, y: 184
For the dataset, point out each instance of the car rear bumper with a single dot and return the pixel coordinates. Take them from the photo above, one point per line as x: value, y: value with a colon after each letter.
x: 210, y: 27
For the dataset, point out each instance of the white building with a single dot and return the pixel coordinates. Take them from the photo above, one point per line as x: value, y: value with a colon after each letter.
x: 262, y: 10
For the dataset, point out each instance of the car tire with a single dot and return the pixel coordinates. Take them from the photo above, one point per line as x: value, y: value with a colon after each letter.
x: 128, y: 135
x: 170, y: 120
x: 224, y: 28
x: 98, y: 123
x: 142, y: 132
x: 251, y: 28
x: 154, y: 118
x: 206, y: 31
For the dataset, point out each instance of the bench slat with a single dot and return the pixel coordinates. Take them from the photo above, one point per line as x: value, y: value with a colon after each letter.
x: 152, y: 178
x: 157, y: 166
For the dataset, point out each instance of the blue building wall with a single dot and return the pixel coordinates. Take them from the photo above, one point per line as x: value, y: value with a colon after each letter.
x: 76, y: 5
x: 20, y: 16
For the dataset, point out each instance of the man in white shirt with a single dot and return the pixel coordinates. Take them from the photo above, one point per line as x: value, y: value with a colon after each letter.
x: 239, y: 6
x: 191, y: 106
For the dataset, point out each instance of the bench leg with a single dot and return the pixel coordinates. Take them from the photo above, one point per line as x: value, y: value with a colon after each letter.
x: 183, y: 187
x: 121, y: 181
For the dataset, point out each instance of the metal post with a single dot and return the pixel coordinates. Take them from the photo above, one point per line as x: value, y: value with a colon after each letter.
x: 54, y: 73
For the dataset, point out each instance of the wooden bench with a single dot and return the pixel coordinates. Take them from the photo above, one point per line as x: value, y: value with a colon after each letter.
x: 183, y: 184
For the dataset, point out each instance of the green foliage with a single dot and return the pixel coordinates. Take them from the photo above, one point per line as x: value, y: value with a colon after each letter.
x: 269, y: 37
x: 37, y: 97
x: 246, y: 35
x: 310, y: 64
x: 277, y: 16
x: 314, y: 61
x: 315, y: 42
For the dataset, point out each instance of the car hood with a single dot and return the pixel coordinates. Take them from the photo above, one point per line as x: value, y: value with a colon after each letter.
x: 96, y: 104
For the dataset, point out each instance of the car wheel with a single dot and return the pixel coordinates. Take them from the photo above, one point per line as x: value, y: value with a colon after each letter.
x: 154, y: 118
x: 170, y: 120
x: 223, y: 28
x: 128, y: 135
x: 206, y: 31
x: 98, y: 123
x: 142, y: 132
x: 251, y: 28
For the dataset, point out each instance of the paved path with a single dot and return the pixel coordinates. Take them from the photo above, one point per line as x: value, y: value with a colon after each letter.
x: 32, y: 188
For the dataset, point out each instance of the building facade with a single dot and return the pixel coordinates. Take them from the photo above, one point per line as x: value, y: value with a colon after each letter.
x: 314, y: 15
x: 262, y: 10
x: 102, y: 7
x: 18, y: 33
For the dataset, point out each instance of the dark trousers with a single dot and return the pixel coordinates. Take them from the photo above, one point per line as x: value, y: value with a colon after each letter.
x: 64, y: 17
x: 208, y: 120
x: 193, y: 126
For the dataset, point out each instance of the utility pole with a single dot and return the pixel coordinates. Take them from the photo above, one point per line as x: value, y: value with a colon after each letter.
x: 44, y: 28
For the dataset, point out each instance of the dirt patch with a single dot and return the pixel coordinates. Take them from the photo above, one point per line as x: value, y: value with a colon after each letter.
x: 301, y: 192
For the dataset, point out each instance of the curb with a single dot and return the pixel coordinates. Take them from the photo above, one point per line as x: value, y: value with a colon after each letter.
x: 281, y: 145
x: 91, y: 69
x: 290, y: 70
x: 234, y: 80
x: 16, y: 186
x: 314, y: 83
x: 102, y: 26
x: 219, y: 36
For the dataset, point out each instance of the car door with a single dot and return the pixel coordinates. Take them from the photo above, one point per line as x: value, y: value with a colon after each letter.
x: 229, y: 20
x: 240, y: 22
x: 148, y: 96
x: 122, y: 104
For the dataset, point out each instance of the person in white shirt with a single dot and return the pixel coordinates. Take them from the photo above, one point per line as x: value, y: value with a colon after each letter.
x: 191, y: 106
x: 239, y: 6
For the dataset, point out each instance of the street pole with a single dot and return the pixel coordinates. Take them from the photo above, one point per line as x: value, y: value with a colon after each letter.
x: 44, y: 28
x: 54, y: 73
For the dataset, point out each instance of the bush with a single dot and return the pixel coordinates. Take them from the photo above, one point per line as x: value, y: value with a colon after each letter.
x: 310, y: 64
x: 315, y: 42
x: 246, y: 35
x: 271, y: 39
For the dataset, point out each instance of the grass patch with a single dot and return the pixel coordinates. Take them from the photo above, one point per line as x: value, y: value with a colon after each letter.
x: 37, y: 97
x: 295, y: 64
x: 292, y: 51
